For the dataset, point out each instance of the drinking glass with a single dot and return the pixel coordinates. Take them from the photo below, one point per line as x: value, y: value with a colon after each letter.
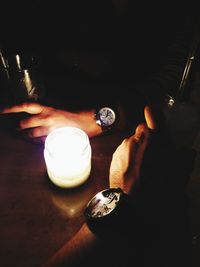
x: 23, y: 80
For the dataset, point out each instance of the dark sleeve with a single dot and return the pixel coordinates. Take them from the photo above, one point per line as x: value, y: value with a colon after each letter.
x: 171, y: 78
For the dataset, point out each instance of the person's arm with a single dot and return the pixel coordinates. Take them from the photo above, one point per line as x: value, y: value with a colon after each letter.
x: 79, y: 248
x: 44, y: 119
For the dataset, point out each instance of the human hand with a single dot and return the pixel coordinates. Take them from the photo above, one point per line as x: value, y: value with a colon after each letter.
x: 44, y: 119
x: 127, y: 158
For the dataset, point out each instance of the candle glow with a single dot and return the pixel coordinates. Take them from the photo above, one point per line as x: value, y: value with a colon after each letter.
x: 67, y: 155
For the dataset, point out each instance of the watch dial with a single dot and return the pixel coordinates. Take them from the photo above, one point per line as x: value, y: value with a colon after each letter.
x: 107, y: 116
x: 103, y: 203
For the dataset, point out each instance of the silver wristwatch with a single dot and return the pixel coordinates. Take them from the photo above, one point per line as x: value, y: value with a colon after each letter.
x: 105, y: 210
x: 105, y: 117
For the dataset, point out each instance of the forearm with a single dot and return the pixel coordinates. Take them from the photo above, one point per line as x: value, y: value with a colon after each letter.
x: 79, y: 248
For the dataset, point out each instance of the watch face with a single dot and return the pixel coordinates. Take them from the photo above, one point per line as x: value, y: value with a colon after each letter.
x: 106, y: 116
x: 103, y: 203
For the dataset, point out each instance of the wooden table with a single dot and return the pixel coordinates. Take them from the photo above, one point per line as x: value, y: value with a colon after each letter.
x: 37, y: 217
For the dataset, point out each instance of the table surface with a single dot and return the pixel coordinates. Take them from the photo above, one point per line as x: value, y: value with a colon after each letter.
x: 37, y: 217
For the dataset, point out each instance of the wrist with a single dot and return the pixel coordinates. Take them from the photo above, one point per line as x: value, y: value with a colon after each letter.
x: 105, y: 117
x: 108, y: 212
x: 87, y: 122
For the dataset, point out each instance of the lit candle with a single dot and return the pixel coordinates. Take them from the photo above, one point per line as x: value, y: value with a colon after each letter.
x: 67, y: 155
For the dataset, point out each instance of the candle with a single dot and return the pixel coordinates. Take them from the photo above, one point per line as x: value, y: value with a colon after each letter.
x: 67, y: 155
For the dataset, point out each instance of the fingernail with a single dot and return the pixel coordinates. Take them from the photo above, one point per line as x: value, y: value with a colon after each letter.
x: 141, y: 137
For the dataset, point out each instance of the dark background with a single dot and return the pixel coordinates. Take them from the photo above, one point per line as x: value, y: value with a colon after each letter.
x: 91, y: 50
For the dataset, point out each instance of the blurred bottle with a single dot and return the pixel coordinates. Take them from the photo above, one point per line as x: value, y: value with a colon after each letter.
x: 21, y: 79
x: 4, y: 80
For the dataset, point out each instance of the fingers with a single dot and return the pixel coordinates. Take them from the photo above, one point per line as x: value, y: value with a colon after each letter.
x: 143, y: 129
x: 141, y: 133
x: 37, y: 132
x: 36, y: 140
x: 134, y: 145
x: 149, y: 118
x: 31, y: 108
x: 141, y: 138
x: 33, y: 121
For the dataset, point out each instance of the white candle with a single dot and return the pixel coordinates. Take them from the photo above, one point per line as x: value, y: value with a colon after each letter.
x: 67, y: 155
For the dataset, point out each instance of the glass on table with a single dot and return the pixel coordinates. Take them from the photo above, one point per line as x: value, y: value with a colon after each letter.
x: 23, y: 80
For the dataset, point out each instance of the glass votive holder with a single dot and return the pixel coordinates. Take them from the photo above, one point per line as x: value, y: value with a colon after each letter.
x: 67, y: 154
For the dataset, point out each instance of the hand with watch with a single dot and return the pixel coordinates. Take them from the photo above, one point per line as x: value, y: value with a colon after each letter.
x: 108, y: 208
x: 42, y: 119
